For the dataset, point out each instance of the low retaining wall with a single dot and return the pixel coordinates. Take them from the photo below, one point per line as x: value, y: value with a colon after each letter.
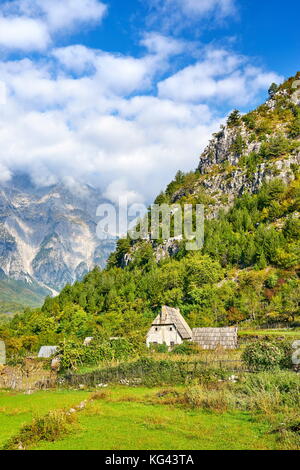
x: 29, y: 376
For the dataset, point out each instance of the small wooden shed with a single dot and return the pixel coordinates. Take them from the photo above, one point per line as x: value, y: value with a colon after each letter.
x: 212, y: 338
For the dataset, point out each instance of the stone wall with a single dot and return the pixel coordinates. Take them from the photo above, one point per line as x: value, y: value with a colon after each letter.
x: 29, y: 376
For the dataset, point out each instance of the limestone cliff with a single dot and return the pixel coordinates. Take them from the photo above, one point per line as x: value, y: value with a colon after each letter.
x: 48, y: 235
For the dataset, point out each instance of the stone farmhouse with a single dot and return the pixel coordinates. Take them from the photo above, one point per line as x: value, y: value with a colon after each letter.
x: 170, y: 328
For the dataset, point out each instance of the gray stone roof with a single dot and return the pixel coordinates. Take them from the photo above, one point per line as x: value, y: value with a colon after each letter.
x: 47, y: 351
x: 211, y: 338
x: 172, y: 316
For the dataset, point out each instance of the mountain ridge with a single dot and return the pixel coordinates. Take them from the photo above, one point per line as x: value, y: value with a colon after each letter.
x: 48, y: 235
x: 248, y: 271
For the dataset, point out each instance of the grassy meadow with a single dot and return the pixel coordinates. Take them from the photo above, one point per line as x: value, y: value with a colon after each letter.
x: 258, y: 412
x: 207, y: 400
x: 133, y: 418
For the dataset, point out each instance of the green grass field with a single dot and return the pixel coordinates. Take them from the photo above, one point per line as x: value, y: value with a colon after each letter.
x: 133, y: 419
x: 18, y: 409
x: 288, y: 334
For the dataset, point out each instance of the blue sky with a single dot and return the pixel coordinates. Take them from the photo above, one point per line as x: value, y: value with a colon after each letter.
x: 122, y: 94
x: 265, y: 29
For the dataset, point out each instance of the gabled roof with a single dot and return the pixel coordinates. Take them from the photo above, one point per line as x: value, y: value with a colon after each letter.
x: 211, y: 338
x: 172, y: 316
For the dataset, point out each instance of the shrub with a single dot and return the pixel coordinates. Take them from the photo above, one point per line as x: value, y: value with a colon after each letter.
x: 159, y: 348
x: 194, y: 396
x: 74, y: 354
x: 186, y: 348
x: 47, y: 428
x: 267, y: 355
x: 294, y: 129
x: 270, y: 392
x: 273, y: 89
x: 149, y: 372
x: 197, y: 396
x: 271, y: 281
x: 277, y: 146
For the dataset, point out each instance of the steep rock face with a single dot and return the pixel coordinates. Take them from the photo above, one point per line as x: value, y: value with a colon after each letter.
x: 48, y: 235
x: 248, y: 151
x: 252, y: 149
x: 226, y: 182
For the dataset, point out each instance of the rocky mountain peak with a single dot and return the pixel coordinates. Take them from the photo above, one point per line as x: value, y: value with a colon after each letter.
x: 255, y: 147
x: 48, y: 234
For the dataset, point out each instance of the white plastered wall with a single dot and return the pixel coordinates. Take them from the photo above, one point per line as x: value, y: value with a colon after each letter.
x: 163, y: 334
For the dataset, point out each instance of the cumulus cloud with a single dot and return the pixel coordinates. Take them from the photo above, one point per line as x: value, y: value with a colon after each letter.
x: 5, y: 174
x: 3, y: 95
x: 23, y: 33
x: 220, y: 75
x: 165, y: 46
x: 68, y: 13
x: 95, y: 117
x: 29, y: 25
x: 58, y: 126
x: 123, y: 123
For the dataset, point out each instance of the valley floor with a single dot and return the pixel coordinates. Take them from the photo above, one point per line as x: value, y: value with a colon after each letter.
x: 127, y: 418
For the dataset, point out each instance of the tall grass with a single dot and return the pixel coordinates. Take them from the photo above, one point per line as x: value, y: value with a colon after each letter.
x: 50, y: 427
x: 271, y: 396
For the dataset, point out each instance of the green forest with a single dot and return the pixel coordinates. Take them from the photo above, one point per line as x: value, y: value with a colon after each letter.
x: 248, y: 270
x: 247, y: 273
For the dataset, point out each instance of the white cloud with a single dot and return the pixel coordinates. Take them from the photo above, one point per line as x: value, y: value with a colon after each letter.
x: 31, y: 24
x: 220, y: 75
x: 117, y: 73
x: 23, y: 34
x: 221, y: 8
x: 66, y: 127
x: 68, y: 13
x: 76, y: 58
x: 163, y: 45
x: 118, y: 192
x: 3, y: 93
x: 91, y: 116
x: 5, y: 174
x: 180, y: 14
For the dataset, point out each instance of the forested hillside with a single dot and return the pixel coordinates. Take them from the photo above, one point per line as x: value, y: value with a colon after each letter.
x: 248, y: 269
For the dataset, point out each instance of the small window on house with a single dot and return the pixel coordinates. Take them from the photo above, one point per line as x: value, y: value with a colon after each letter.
x: 156, y: 329
x: 172, y: 344
x: 171, y: 329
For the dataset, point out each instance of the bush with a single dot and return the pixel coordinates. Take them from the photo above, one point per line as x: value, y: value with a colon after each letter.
x: 198, y: 396
x: 294, y: 129
x: 49, y: 428
x: 149, y: 372
x: 186, y: 348
x: 267, y: 355
x: 74, y: 354
x: 159, y: 348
